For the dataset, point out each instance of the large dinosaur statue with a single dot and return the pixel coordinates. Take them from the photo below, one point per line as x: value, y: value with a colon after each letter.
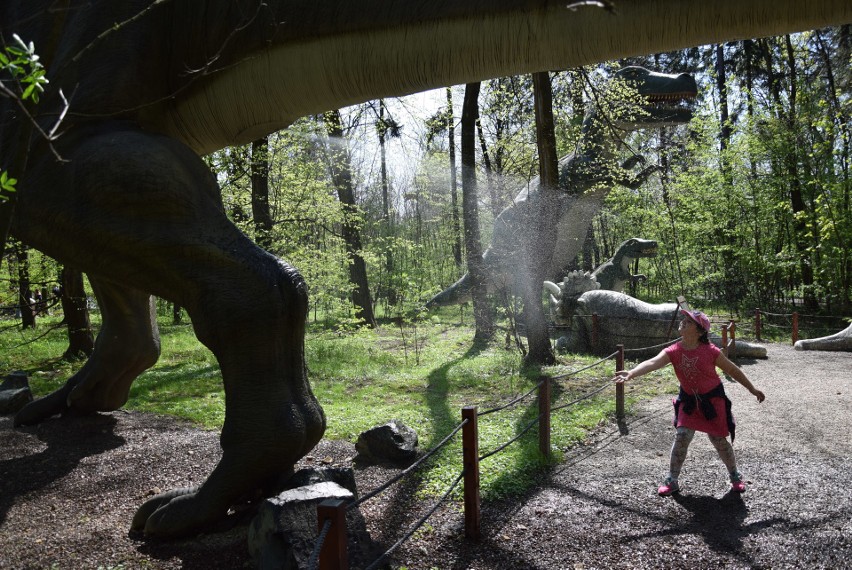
x: 585, y: 178
x: 620, y: 319
x: 151, y: 84
x: 615, y: 273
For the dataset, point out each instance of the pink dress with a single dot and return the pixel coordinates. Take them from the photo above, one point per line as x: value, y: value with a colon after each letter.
x: 696, y: 371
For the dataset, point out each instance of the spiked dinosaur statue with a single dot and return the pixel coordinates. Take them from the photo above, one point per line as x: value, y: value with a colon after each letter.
x: 621, y: 319
x: 151, y: 85
x: 585, y: 178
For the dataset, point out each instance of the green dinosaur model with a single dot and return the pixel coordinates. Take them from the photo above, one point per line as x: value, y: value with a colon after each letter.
x: 143, y: 87
x: 585, y: 178
x: 614, y: 274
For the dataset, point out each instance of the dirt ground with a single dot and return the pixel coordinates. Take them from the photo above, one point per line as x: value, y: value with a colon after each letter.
x: 69, y: 488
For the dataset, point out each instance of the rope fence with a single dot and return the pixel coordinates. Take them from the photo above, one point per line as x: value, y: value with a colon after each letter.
x: 330, y: 551
x: 800, y: 325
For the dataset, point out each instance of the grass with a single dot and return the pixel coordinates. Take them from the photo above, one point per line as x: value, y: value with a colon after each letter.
x: 367, y: 377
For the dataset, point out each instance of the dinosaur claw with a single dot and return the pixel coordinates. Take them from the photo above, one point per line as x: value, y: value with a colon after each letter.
x: 173, y: 514
x: 39, y: 410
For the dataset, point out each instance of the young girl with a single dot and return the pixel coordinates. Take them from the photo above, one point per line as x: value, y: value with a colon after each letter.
x: 702, y: 404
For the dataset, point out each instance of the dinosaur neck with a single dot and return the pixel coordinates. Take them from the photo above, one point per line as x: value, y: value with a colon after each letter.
x: 217, y: 72
x: 329, y: 55
x: 593, y: 157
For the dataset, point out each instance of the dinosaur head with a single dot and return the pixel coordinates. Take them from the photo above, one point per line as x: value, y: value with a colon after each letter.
x: 637, y: 247
x: 666, y: 97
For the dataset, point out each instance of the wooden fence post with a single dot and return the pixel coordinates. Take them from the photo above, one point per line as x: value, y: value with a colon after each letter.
x: 725, y: 340
x: 470, y: 461
x: 619, y: 388
x: 544, y: 416
x: 333, y: 555
x: 795, y: 327
x: 757, y: 324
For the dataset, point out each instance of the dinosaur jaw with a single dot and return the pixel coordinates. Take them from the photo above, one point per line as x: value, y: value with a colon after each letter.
x: 665, y: 116
x: 667, y: 98
x: 648, y: 252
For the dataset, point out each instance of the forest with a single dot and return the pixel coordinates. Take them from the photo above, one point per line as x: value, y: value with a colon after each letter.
x: 749, y: 202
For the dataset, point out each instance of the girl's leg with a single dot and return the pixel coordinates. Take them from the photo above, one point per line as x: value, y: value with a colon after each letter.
x: 726, y: 453
x: 679, y: 448
x: 681, y: 444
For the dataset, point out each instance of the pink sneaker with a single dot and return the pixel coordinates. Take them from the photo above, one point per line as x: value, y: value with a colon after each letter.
x: 737, y: 483
x: 669, y: 487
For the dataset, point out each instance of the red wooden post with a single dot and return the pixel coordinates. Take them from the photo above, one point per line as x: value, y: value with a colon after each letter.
x: 595, y: 330
x: 333, y: 555
x: 795, y: 327
x: 544, y: 416
x: 619, y: 388
x: 757, y: 323
x: 470, y: 461
x: 725, y: 340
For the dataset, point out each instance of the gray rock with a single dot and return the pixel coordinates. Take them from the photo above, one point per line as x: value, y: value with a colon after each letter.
x: 283, y: 533
x: 393, y: 442
x: 15, y: 393
x: 343, y: 476
x: 14, y: 381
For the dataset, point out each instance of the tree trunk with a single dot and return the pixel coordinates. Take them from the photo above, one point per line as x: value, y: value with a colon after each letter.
x: 341, y: 175
x: 730, y: 288
x: 260, y: 193
x: 845, y: 155
x: 81, y: 341
x: 454, y: 197
x: 797, y: 200
x: 25, y: 294
x: 542, y: 225
x: 386, y: 209
x: 470, y: 212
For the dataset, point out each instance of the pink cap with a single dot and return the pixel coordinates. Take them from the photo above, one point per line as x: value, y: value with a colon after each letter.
x: 698, y: 318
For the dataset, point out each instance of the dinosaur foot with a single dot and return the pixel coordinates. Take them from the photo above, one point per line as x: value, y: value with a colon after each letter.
x: 172, y: 514
x: 234, y: 485
x: 39, y: 410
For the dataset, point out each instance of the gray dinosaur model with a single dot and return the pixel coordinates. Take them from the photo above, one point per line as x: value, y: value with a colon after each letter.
x: 585, y: 178
x: 840, y: 341
x: 150, y: 85
x: 621, y: 319
x: 615, y: 273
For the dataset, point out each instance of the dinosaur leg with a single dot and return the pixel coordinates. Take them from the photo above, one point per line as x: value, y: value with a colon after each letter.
x: 144, y: 210
x: 127, y: 345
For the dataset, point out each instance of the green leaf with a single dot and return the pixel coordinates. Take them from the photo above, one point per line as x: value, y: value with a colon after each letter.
x: 6, y: 183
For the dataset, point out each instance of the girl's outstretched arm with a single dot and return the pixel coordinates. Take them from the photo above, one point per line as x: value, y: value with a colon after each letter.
x: 734, y: 371
x: 649, y: 365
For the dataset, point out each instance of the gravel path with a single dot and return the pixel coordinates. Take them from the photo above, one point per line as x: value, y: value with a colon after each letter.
x: 68, y: 489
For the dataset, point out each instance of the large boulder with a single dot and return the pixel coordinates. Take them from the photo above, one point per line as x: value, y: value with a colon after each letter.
x: 393, y: 442
x: 621, y: 319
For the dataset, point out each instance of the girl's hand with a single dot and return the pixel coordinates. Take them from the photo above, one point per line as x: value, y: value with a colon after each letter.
x: 758, y: 394
x: 621, y: 376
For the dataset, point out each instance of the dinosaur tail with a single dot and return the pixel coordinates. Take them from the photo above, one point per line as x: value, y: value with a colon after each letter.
x: 455, y: 294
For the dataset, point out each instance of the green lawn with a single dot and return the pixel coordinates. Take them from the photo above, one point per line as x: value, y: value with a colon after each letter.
x: 365, y: 378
